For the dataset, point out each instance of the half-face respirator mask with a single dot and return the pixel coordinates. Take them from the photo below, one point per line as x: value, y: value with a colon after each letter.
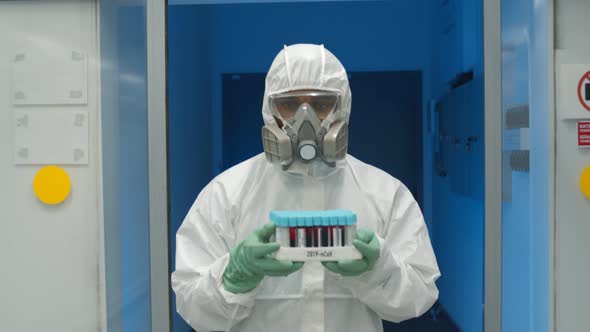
x: 309, y: 131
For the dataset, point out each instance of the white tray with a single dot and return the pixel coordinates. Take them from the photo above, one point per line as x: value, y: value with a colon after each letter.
x: 317, y: 254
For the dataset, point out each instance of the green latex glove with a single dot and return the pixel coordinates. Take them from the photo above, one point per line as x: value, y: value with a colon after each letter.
x: 250, y: 261
x: 368, y: 245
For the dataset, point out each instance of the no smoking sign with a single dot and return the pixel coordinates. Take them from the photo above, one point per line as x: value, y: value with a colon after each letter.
x: 573, y: 92
x: 584, y: 91
x: 584, y: 99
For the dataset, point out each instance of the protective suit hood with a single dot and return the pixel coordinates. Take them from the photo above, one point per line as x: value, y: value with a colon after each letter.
x: 306, y: 67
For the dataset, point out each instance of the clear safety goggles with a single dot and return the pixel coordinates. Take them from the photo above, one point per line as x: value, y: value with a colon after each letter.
x: 286, y: 104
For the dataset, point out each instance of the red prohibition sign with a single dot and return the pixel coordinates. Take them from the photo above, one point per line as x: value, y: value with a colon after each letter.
x: 584, y: 100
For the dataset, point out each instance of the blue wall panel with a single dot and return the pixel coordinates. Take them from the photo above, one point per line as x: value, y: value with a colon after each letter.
x: 190, y: 141
x: 458, y: 213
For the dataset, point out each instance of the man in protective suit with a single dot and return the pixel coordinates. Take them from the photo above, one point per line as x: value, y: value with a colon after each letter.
x: 225, y: 277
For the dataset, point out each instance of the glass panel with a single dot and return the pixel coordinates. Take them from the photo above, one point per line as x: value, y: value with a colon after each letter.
x: 125, y: 164
x: 525, y: 173
x: 415, y: 71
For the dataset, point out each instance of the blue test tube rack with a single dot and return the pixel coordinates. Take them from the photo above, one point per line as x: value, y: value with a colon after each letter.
x: 315, y: 235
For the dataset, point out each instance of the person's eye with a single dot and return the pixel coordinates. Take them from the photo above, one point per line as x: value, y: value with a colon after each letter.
x: 286, y: 105
x: 321, y: 106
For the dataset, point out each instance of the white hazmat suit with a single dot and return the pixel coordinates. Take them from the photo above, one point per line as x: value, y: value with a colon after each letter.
x: 400, y: 286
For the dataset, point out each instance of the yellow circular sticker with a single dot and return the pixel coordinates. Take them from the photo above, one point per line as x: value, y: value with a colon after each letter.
x: 52, y: 185
x: 585, y: 182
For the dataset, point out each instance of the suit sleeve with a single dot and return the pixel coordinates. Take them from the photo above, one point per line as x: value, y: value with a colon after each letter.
x: 402, y: 283
x: 203, y: 243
